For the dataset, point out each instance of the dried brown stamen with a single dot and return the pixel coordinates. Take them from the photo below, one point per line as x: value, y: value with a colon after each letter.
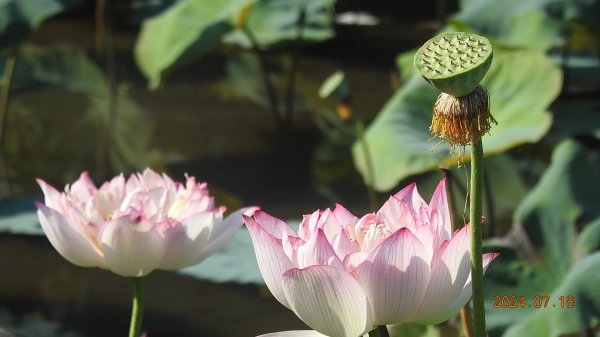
x: 462, y: 120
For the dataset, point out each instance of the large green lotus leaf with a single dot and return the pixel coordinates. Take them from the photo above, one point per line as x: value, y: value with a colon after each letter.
x: 18, y: 216
x: 64, y: 67
x: 567, y: 193
x: 235, y: 262
x: 245, y: 79
x: 589, y: 239
x: 513, y: 22
x: 183, y: 32
x: 546, y: 256
x: 66, y: 80
x: 273, y: 21
x: 20, y: 18
x: 399, y: 138
x: 556, y: 319
x: 505, y: 183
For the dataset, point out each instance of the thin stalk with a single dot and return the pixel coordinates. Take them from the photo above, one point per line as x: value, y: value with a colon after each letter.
x: 100, y: 27
x: 269, y: 88
x: 476, y: 200
x: 379, y: 331
x: 137, y: 309
x: 465, y: 312
x: 291, y: 84
x: 360, y: 134
x: 9, y: 71
x: 440, y: 11
x: 491, y: 208
x: 107, y: 128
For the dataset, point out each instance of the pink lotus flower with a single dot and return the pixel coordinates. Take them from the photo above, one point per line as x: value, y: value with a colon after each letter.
x: 343, y: 275
x: 134, y: 226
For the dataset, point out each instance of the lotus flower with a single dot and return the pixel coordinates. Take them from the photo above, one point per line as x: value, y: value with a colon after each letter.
x: 343, y: 275
x: 134, y: 226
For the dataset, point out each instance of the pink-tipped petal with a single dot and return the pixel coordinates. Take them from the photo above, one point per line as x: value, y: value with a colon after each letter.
x: 131, y: 246
x: 223, y: 231
x: 186, y: 242
x: 67, y: 238
x: 336, y: 220
x: 352, y: 261
x: 439, y: 212
x: 290, y: 247
x: 273, y: 225
x: 151, y: 179
x: 318, y: 251
x: 51, y: 195
x: 310, y: 223
x: 294, y: 333
x: 342, y: 217
x: 449, y: 272
x: 343, y: 245
x: 396, y: 213
x: 411, y: 196
x: 443, y: 314
x: 395, y: 276
x: 272, y: 260
x: 428, y: 238
x: 83, y: 188
x: 329, y: 300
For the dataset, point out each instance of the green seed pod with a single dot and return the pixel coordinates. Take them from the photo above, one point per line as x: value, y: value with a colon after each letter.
x: 454, y: 63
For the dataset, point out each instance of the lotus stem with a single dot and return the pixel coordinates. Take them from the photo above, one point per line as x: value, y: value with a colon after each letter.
x: 291, y: 84
x: 269, y: 87
x: 491, y: 206
x: 476, y: 200
x: 9, y: 70
x: 137, y: 310
x: 360, y: 134
x: 465, y: 312
x: 379, y: 331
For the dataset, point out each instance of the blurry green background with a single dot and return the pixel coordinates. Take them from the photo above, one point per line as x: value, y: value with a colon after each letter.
x: 228, y: 91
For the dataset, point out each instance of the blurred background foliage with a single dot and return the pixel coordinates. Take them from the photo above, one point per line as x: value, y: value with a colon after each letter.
x: 233, y: 92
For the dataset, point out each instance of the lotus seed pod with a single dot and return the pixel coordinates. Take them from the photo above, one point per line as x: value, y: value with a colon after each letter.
x: 454, y: 63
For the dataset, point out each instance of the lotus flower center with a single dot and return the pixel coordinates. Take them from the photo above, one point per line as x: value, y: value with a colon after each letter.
x: 370, y: 231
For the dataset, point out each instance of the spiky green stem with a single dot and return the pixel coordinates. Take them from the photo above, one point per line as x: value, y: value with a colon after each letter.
x: 476, y: 200
x: 137, y: 310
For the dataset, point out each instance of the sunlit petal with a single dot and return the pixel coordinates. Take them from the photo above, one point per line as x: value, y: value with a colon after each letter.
x: 67, y: 238
x: 317, y: 251
x: 272, y: 260
x: 329, y: 300
x: 395, y: 276
x: 186, y: 244
x: 444, y: 313
x: 131, y: 246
